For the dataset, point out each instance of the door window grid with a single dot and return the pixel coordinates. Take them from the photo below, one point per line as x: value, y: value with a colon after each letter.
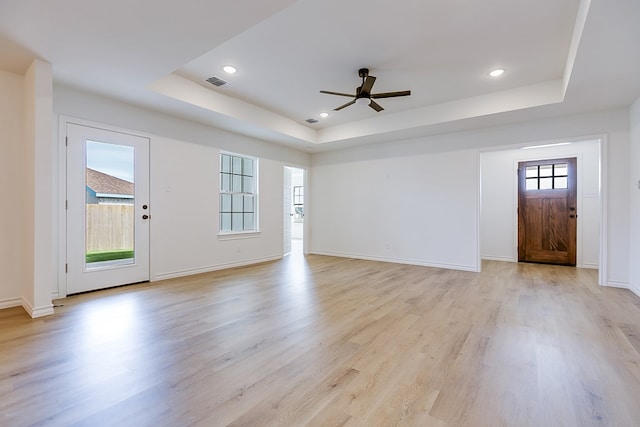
x: 298, y: 196
x: 547, y: 177
x: 298, y: 203
x: 237, y: 193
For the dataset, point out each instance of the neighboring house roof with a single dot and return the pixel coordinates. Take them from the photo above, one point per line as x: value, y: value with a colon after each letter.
x: 107, y: 185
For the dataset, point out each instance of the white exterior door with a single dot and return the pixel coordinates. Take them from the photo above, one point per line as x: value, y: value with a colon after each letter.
x: 108, y: 209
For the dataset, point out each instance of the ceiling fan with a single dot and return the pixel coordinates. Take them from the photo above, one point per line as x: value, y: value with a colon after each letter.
x: 364, y: 92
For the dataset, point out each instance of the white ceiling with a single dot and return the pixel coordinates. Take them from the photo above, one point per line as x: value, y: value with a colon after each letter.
x: 560, y: 57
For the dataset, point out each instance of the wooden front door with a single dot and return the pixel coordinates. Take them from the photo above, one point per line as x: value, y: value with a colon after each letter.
x: 547, y: 211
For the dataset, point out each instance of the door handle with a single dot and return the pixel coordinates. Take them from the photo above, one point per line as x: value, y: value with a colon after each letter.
x: 146, y: 216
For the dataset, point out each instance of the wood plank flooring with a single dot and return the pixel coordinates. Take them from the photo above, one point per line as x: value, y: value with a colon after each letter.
x: 322, y: 341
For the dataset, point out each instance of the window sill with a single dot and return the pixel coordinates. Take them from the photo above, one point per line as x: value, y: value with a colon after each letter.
x: 236, y: 235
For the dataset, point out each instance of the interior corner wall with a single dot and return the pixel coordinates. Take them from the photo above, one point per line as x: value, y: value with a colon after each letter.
x: 618, y: 206
x: 184, y: 185
x: 498, y: 226
x: 634, y: 198
x: 38, y: 201
x: 11, y: 188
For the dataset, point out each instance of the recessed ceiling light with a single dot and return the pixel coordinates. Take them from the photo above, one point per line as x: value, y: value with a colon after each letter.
x: 229, y: 69
x: 497, y: 72
x: 323, y: 115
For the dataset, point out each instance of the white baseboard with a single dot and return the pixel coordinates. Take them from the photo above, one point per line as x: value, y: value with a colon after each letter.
x: 498, y: 258
x: 34, y: 312
x: 210, y: 268
x: 635, y: 289
x: 617, y: 284
x: 474, y: 269
x: 21, y: 302
x: 590, y: 266
x: 10, y: 303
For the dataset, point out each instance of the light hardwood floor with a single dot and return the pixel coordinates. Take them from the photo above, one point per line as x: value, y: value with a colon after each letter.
x: 324, y: 341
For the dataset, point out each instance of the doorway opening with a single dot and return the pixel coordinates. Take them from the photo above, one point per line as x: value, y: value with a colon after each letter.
x: 294, y: 210
x: 499, y: 197
x: 547, y: 211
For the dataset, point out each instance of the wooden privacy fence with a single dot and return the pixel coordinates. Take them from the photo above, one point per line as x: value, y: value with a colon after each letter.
x: 109, y: 227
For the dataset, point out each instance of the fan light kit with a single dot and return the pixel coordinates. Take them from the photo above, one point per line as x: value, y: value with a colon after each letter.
x: 324, y: 115
x: 497, y: 72
x: 363, y: 93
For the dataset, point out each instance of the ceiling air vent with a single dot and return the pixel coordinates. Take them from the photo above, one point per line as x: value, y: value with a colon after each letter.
x: 311, y: 120
x: 216, y: 81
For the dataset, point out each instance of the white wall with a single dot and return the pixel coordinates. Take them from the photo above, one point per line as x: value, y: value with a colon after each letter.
x: 184, y: 185
x: 368, y: 197
x: 634, y: 197
x: 26, y: 226
x: 618, y: 214
x: 184, y: 226
x: 499, y: 218
x: 418, y: 209
x: 11, y: 188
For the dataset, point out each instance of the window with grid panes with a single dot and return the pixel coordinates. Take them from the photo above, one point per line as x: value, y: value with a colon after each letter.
x: 547, y: 177
x: 237, y: 193
x: 298, y: 196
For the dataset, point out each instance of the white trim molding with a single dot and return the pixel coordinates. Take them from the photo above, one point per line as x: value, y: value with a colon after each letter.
x: 45, y: 310
x: 208, y: 269
x: 10, y: 303
x: 473, y: 269
x: 35, y: 312
x: 617, y: 284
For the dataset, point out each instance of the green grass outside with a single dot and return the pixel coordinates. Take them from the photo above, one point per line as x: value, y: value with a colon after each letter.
x: 98, y: 256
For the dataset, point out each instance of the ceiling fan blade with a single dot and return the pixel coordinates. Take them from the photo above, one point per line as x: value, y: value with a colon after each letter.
x: 367, y: 85
x: 337, y: 93
x: 390, y: 94
x: 345, y: 105
x: 373, y: 104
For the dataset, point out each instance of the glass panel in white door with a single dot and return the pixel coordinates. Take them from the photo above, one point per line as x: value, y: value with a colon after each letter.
x: 109, y: 205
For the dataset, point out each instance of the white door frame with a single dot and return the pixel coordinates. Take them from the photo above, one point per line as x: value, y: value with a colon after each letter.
x: 62, y: 192
x: 305, y: 224
x: 286, y: 207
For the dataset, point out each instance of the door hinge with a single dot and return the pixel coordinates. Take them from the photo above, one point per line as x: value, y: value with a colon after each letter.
x: 66, y: 141
x: 66, y: 268
x: 66, y: 205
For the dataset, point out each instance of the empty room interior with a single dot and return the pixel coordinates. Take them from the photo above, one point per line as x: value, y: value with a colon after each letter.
x: 337, y: 213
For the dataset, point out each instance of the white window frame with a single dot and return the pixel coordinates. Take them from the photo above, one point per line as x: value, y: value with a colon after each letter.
x: 226, y: 192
